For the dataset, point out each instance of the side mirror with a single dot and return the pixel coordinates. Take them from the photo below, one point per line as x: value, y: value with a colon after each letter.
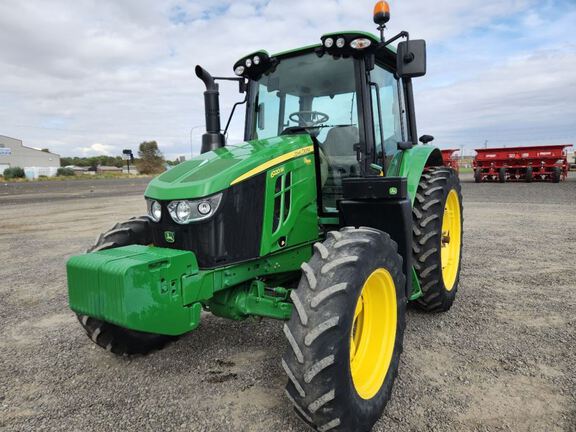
x: 411, y: 58
x: 425, y: 139
x: 261, y: 118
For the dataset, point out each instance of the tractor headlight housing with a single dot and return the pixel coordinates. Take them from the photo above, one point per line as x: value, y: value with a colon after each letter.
x: 254, y: 65
x: 154, y: 210
x: 187, y: 211
x: 349, y: 44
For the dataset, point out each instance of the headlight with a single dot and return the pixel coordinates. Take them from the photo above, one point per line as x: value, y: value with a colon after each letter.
x: 187, y: 211
x: 256, y: 60
x: 328, y: 42
x: 239, y: 70
x: 340, y: 42
x: 248, y: 62
x: 183, y: 211
x: 154, y: 210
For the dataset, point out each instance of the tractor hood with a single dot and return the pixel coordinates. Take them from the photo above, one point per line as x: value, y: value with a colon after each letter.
x: 216, y: 170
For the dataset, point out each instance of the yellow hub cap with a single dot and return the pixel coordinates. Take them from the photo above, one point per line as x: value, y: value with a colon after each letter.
x: 373, y: 333
x: 451, y: 240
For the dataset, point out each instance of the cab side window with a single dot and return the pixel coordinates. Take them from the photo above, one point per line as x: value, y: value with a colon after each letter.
x: 387, y: 109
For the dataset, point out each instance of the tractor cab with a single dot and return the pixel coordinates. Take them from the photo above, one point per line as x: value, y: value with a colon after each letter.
x: 352, y: 94
x: 344, y: 93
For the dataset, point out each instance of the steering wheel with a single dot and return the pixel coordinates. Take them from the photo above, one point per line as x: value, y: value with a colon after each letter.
x: 309, y: 118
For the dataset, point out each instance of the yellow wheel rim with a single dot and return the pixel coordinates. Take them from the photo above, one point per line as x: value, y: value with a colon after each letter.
x: 451, y: 240
x: 373, y: 333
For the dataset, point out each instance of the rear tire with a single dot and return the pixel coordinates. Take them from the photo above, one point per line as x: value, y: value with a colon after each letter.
x: 528, y: 175
x: 556, y: 174
x: 325, y: 366
x: 502, y: 175
x: 438, y: 282
x: 119, y: 340
x: 478, y: 176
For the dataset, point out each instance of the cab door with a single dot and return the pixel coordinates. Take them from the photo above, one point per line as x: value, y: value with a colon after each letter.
x: 389, y: 116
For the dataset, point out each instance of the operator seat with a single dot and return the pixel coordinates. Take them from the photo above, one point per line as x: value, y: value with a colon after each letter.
x: 338, y: 149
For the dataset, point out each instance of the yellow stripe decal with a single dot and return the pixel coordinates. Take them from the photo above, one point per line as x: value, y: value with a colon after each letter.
x: 291, y: 155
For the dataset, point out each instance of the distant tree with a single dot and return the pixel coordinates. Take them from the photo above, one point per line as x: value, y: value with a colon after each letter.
x: 66, y: 172
x: 13, y: 172
x: 150, y: 159
x: 174, y: 162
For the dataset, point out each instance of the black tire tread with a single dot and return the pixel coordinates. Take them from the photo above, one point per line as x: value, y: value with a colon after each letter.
x: 556, y: 174
x: 502, y: 175
x: 427, y: 231
x: 311, y: 361
x: 528, y: 175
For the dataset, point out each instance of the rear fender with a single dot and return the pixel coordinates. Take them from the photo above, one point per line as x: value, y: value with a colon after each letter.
x: 411, y: 163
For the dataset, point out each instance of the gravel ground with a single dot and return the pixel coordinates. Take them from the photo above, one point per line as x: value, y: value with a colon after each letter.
x: 503, y: 359
x: 56, y: 190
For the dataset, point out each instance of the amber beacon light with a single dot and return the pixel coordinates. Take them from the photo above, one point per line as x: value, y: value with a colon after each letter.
x: 381, y: 13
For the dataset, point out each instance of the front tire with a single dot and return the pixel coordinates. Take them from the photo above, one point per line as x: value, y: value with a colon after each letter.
x: 502, y: 175
x: 119, y: 340
x: 437, y: 241
x: 346, y: 333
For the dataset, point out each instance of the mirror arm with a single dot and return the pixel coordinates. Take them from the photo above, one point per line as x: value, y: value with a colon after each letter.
x: 232, y: 113
x: 241, y: 82
x: 394, y: 38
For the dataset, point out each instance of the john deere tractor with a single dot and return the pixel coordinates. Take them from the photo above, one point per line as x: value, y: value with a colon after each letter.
x: 329, y: 216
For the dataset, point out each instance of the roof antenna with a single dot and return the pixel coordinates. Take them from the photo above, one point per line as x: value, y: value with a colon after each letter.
x: 381, y: 16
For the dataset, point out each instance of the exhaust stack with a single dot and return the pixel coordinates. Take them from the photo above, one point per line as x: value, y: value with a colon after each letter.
x: 213, y: 138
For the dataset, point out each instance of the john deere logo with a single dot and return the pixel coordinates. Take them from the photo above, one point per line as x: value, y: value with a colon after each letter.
x: 169, y: 236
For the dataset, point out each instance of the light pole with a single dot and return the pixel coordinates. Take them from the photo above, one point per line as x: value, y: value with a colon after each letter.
x: 192, y: 130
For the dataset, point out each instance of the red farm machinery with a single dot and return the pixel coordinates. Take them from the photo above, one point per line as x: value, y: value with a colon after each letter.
x: 450, y: 160
x: 537, y: 163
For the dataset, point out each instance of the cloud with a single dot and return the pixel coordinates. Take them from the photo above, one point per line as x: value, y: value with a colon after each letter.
x: 119, y: 73
x: 97, y: 149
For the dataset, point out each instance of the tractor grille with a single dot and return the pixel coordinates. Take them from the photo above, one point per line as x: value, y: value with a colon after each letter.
x: 231, y: 235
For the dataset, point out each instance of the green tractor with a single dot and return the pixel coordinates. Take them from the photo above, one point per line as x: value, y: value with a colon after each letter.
x: 330, y: 216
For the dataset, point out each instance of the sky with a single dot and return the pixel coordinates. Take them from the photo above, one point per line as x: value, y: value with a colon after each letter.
x: 87, y: 77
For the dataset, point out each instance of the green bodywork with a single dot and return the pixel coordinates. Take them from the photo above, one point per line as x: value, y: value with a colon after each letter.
x: 135, y: 287
x: 158, y: 290
x: 214, y: 171
x: 163, y: 291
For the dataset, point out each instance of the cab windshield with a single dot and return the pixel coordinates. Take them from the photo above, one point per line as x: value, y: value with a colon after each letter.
x: 315, y: 95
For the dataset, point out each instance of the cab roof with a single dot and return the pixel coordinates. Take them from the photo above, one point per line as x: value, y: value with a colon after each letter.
x: 295, y: 51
